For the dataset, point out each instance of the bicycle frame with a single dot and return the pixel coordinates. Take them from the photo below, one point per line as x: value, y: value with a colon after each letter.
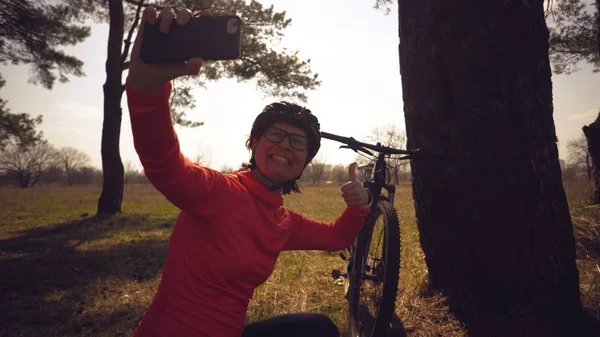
x: 379, y: 184
x: 360, y: 266
x: 375, y: 187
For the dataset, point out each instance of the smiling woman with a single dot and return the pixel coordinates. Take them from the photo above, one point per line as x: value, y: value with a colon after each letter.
x: 277, y: 162
x: 231, y: 227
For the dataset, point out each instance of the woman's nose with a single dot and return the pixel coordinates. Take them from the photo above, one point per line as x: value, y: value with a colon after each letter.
x: 285, y: 143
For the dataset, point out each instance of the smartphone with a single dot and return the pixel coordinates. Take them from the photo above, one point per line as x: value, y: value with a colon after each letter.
x: 208, y: 37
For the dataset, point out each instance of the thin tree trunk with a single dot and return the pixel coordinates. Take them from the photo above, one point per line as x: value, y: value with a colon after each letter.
x: 592, y: 134
x: 36, y: 177
x: 492, y: 214
x: 69, y: 176
x: 112, y: 166
x: 23, y: 179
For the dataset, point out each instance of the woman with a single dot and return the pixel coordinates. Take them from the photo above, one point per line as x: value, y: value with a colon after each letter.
x: 231, y: 228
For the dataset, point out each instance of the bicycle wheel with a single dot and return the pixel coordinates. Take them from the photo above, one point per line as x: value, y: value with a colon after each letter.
x: 374, y: 277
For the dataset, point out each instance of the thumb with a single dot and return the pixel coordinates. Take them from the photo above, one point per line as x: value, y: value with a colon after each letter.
x: 352, y: 171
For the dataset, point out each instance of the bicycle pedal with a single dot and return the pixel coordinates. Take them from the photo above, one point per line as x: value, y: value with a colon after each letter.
x: 336, y: 274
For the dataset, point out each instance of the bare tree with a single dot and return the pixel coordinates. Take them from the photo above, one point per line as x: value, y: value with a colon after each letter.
x: 72, y: 160
x: 316, y: 170
x: 579, y: 155
x: 87, y: 175
x: 130, y: 172
x: 339, y: 173
x: 202, y: 158
x: 226, y: 169
x: 392, y: 136
x: 203, y: 155
x: 26, y: 164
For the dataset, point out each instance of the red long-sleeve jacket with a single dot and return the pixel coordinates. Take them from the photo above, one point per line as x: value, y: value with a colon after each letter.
x: 227, y: 237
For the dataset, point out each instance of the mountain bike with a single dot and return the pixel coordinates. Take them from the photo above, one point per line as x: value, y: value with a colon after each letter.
x: 367, y: 271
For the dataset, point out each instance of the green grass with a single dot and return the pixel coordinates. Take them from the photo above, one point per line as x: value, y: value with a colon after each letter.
x: 66, y: 273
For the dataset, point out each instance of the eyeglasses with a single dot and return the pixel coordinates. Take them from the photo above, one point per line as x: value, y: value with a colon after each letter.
x: 276, y: 135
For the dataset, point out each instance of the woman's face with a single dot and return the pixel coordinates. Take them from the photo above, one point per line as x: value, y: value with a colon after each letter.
x: 281, y: 152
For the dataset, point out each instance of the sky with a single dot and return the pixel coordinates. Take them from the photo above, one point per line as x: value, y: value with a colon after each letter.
x: 353, y: 48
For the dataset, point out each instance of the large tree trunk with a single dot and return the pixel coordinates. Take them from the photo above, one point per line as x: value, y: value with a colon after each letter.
x: 592, y: 134
x: 598, y: 26
x: 492, y: 213
x: 592, y: 131
x: 112, y: 166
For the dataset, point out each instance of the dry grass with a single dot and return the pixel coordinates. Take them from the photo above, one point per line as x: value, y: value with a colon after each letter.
x: 586, y: 227
x: 68, y: 274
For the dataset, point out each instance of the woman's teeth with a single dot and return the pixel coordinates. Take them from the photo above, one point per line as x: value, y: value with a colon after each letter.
x: 281, y: 159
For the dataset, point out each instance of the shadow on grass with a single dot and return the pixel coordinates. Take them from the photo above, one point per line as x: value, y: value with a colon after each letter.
x: 46, y: 276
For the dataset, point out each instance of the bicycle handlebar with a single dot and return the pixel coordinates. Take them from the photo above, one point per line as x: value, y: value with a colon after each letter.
x: 365, y: 147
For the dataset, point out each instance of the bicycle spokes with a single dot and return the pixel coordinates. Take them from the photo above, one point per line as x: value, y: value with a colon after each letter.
x: 372, y: 280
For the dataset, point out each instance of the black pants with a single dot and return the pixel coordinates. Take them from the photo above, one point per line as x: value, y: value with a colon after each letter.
x: 293, y: 325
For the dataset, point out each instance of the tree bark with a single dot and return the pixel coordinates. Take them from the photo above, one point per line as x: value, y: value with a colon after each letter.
x: 592, y: 131
x: 598, y: 26
x: 592, y: 134
x: 492, y: 214
x: 112, y: 166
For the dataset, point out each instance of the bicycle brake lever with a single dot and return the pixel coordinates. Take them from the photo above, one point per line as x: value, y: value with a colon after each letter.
x: 356, y: 149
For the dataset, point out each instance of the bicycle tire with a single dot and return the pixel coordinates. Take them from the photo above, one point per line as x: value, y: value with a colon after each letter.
x: 386, y: 306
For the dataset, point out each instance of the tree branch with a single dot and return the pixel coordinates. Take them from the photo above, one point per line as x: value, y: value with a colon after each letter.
x: 138, y: 13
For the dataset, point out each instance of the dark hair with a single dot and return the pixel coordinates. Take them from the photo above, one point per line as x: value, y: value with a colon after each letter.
x: 293, y: 114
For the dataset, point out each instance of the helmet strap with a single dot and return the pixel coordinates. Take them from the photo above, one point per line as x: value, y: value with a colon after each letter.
x: 263, y: 178
x: 266, y: 181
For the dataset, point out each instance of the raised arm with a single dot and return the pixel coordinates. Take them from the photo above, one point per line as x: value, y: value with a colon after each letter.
x: 148, y: 89
x: 182, y: 182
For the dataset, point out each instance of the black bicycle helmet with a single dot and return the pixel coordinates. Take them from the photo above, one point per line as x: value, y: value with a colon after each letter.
x: 295, y: 115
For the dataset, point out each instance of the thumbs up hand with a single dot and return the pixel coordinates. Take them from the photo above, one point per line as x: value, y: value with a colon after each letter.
x: 353, y: 192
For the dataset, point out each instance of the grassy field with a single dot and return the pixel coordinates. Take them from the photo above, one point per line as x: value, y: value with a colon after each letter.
x: 65, y: 273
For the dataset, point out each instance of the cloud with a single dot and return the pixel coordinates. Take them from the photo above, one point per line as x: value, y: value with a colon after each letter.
x: 79, y: 110
x: 591, y: 113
